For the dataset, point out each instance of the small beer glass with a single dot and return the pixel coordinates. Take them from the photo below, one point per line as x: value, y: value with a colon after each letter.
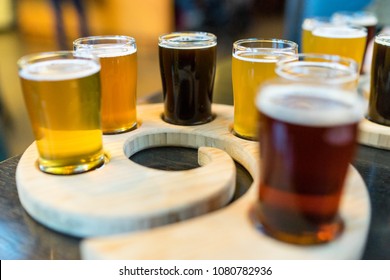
x: 187, y: 68
x: 253, y: 63
x: 307, y: 135
x: 332, y: 70
x: 118, y: 59
x: 343, y: 40
x: 62, y: 94
x: 307, y: 27
x: 379, y: 100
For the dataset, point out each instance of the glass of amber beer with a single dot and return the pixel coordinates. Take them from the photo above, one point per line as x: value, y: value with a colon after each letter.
x: 118, y: 59
x: 333, y: 70
x: 253, y: 62
x: 343, y: 40
x: 187, y: 68
x: 307, y: 136
x: 62, y: 94
x: 379, y: 101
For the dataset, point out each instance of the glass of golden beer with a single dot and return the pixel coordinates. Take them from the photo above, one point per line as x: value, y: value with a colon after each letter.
x: 62, y: 94
x: 379, y: 101
x: 333, y: 70
x: 307, y: 136
x: 253, y: 62
x: 307, y: 27
x: 343, y: 40
x: 118, y: 59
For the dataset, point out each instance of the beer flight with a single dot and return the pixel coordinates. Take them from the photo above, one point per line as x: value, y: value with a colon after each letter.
x: 302, y: 108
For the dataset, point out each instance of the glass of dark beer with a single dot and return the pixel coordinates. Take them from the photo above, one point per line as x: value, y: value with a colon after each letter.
x: 307, y: 135
x: 379, y: 101
x: 187, y: 68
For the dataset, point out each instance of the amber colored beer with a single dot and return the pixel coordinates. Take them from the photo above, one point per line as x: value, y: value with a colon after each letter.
x: 187, y: 68
x: 62, y: 96
x: 118, y: 59
x: 379, y: 102
x: 307, y: 138
x: 253, y: 63
x: 345, y: 41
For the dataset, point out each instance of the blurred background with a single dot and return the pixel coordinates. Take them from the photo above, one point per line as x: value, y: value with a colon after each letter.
x: 28, y: 26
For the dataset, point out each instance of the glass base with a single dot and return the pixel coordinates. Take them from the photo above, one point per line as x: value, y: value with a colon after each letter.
x: 245, y: 137
x: 324, y: 232
x: 120, y: 130
x: 188, y: 123
x: 46, y: 167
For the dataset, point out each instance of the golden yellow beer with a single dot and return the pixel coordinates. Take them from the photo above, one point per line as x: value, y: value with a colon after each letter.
x: 62, y: 96
x: 118, y: 59
x: 307, y: 27
x: 253, y: 63
x: 344, y: 41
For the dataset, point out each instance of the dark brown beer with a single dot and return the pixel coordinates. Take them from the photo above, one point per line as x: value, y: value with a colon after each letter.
x: 187, y: 75
x: 379, y: 103
x: 307, y: 138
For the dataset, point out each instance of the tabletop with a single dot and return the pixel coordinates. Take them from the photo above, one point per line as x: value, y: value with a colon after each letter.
x: 21, y: 237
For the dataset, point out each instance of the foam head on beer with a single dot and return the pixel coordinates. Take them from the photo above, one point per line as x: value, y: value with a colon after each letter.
x: 310, y: 105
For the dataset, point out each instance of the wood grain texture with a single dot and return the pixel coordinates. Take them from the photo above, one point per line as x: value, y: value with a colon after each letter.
x: 230, y: 233
x: 124, y: 196
x: 374, y: 135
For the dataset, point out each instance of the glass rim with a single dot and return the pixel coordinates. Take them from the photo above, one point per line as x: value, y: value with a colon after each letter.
x: 197, y: 39
x: 339, y: 26
x: 29, y: 59
x: 290, y: 45
x: 127, y: 39
x: 383, y: 39
x: 347, y: 66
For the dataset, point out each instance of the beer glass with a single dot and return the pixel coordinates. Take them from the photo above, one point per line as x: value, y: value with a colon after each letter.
x: 379, y: 100
x: 307, y: 27
x: 343, y: 40
x: 187, y: 68
x: 307, y: 136
x: 333, y: 70
x: 118, y: 59
x: 361, y: 18
x: 253, y: 62
x: 62, y: 94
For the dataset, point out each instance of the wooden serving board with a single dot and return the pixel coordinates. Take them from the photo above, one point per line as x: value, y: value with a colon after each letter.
x: 374, y: 135
x: 140, y: 207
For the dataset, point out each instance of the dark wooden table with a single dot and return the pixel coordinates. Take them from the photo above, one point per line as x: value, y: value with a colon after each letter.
x: 21, y: 237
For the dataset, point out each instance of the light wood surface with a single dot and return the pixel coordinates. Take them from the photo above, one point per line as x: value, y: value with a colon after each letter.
x: 230, y: 232
x: 227, y: 233
x: 374, y: 135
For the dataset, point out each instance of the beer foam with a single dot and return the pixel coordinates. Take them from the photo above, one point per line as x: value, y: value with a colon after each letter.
x: 61, y: 69
x: 383, y: 39
x: 339, y: 32
x: 263, y: 55
x: 189, y: 41
x: 109, y: 50
x: 310, y: 105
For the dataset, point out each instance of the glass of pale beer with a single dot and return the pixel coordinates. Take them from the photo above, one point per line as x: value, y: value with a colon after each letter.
x: 333, y: 70
x: 307, y: 137
x: 118, y: 59
x: 308, y: 25
x: 187, y: 68
x: 343, y: 40
x: 62, y: 94
x: 379, y: 100
x: 253, y: 63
